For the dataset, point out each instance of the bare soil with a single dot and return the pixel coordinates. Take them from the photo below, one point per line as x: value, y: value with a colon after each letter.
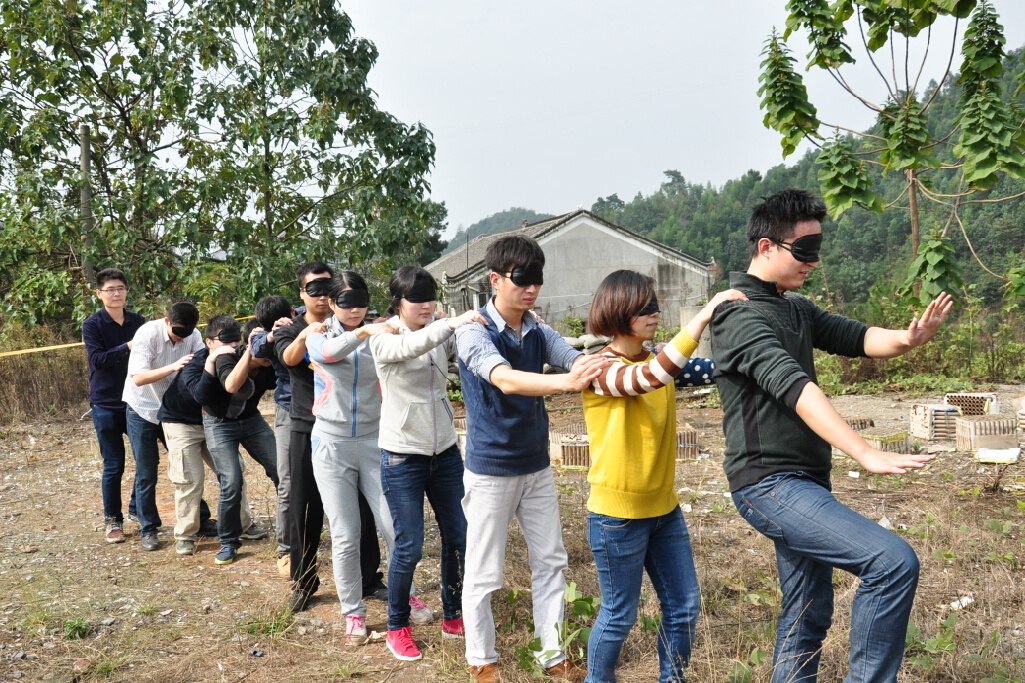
x: 154, y: 616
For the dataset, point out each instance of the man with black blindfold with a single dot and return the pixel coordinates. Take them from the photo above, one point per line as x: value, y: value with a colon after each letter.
x: 779, y: 428
x: 159, y: 350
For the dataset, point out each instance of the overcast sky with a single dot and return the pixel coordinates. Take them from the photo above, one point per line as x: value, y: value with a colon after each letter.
x: 550, y: 104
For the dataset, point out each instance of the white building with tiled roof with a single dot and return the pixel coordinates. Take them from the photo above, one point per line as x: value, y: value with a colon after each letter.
x: 580, y: 250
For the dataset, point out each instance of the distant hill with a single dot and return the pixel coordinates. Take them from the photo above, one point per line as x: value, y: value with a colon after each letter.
x: 497, y: 222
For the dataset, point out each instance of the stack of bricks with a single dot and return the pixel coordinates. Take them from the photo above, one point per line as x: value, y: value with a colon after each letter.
x: 933, y: 421
x: 986, y: 431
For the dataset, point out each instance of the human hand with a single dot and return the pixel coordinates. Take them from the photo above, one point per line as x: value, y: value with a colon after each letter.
x: 539, y: 319
x: 925, y: 328
x: 727, y: 295
x: 281, y: 322
x: 585, y: 370
x: 440, y: 314
x: 129, y: 343
x: 221, y: 351
x: 253, y: 333
x: 379, y: 328
x: 885, y: 462
x: 312, y: 328
x: 471, y: 316
x: 180, y: 363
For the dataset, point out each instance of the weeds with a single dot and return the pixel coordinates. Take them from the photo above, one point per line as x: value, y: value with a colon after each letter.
x: 76, y: 629
x: 277, y: 623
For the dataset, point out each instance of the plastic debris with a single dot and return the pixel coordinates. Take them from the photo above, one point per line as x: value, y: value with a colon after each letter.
x: 999, y: 456
x: 961, y: 603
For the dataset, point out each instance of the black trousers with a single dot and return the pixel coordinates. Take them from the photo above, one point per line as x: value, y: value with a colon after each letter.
x: 306, y: 521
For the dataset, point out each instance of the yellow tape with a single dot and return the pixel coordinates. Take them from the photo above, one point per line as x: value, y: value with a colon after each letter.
x: 68, y: 346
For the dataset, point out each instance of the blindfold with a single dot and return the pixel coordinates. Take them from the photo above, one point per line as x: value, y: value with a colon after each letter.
x: 651, y: 308
x: 181, y: 331
x: 804, y: 249
x: 353, y: 298
x: 319, y: 287
x: 530, y: 274
x: 227, y: 336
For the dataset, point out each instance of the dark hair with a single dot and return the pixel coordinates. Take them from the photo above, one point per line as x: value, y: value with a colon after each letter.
x: 777, y: 214
x: 183, y: 313
x: 346, y: 279
x: 506, y: 253
x: 619, y: 298
x: 220, y: 323
x: 270, y: 308
x: 312, y: 268
x: 402, y: 283
x: 108, y: 274
x: 251, y: 325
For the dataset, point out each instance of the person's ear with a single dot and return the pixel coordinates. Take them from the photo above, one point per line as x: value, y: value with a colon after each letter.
x: 765, y: 247
x: 494, y: 277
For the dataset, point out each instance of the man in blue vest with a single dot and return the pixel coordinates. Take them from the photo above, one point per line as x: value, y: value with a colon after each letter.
x: 508, y: 473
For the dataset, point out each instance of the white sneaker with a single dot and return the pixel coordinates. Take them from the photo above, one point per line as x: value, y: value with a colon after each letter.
x: 419, y: 612
x: 355, y: 630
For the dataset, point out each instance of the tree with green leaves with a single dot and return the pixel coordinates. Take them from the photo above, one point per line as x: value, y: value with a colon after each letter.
x: 231, y: 140
x: 950, y: 169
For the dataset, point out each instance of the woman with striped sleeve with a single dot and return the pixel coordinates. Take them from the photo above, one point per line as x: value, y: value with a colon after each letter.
x: 634, y: 521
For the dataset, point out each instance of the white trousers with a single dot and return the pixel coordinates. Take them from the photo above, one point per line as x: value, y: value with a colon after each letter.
x: 489, y: 504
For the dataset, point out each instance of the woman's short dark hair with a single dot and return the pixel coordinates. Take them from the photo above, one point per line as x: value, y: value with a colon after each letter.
x: 620, y: 297
x: 403, y: 281
x: 506, y: 253
x: 777, y: 215
x: 346, y: 279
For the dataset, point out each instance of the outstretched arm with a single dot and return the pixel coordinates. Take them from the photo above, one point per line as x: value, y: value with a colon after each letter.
x: 883, y: 343
x: 585, y: 369
x: 818, y: 413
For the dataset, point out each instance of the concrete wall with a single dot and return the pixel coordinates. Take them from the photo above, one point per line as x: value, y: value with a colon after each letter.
x: 579, y: 256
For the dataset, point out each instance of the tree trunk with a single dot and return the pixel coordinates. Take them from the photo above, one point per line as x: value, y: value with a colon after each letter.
x: 916, y: 237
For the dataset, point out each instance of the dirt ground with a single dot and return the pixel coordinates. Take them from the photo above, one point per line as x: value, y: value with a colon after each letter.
x: 73, y: 608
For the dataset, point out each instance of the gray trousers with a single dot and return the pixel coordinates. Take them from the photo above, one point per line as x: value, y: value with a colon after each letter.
x: 282, y: 426
x: 343, y: 466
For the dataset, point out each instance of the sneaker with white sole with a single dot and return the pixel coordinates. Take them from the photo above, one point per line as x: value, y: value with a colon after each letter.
x: 453, y: 628
x: 185, y: 546
x: 355, y: 630
x: 115, y: 534
x: 400, y: 643
x: 419, y: 612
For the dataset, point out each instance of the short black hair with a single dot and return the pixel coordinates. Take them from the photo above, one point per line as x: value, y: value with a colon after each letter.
x: 270, y: 308
x: 183, y: 313
x: 777, y: 214
x: 108, y: 274
x: 510, y: 251
x: 346, y: 279
x: 403, y: 281
x: 221, y: 323
x: 251, y: 325
x: 312, y: 268
x: 619, y: 298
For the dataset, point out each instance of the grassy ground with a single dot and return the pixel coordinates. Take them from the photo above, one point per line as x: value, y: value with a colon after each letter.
x: 73, y: 608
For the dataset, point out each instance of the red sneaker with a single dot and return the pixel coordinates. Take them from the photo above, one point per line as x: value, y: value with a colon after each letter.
x: 401, y: 644
x: 453, y: 628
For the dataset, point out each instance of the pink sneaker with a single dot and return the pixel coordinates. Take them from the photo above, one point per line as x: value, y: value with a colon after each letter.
x: 401, y: 644
x: 453, y: 628
x: 355, y: 630
x: 419, y: 612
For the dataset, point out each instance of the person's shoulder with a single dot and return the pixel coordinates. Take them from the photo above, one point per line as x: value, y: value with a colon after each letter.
x: 732, y: 310
x: 136, y: 319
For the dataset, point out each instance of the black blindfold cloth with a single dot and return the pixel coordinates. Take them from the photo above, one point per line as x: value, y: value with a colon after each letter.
x: 531, y: 274
x: 181, y: 331
x: 319, y: 287
x: 228, y: 336
x: 651, y: 308
x: 353, y: 298
x: 804, y: 249
x: 422, y: 292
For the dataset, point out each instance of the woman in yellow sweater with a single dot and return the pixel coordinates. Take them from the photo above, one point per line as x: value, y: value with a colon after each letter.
x: 635, y: 523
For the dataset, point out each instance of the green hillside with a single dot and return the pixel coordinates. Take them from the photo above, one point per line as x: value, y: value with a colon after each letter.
x: 496, y: 222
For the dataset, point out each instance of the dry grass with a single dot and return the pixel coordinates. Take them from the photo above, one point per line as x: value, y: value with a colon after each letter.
x: 47, y: 383
x: 185, y: 619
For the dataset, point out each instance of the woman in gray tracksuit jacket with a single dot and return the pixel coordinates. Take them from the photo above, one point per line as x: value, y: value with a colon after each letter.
x: 345, y: 450
x: 419, y: 455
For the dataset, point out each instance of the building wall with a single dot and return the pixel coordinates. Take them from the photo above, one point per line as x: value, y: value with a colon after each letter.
x: 579, y: 256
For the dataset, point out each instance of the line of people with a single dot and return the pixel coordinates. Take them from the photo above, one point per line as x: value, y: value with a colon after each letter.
x: 364, y: 434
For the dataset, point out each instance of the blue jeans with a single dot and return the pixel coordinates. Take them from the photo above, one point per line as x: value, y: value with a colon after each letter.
x: 223, y: 437
x: 404, y: 480
x: 623, y: 549
x: 111, y: 428
x: 143, y: 435
x: 813, y: 533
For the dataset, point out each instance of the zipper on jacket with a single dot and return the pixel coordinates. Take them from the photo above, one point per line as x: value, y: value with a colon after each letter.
x: 355, y: 391
x: 434, y: 416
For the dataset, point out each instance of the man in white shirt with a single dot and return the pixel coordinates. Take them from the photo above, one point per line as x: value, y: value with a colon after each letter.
x: 159, y: 350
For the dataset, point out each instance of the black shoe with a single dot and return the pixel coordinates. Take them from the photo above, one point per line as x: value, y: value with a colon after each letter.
x: 376, y: 590
x: 208, y: 528
x: 150, y: 542
x: 299, y: 600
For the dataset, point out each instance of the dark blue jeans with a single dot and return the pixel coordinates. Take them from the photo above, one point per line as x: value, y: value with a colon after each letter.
x: 111, y: 428
x: 144, y: 435
x: 623, y: 550
x: 223, y: 437
x: 405, y: 479
x: 813, y: 533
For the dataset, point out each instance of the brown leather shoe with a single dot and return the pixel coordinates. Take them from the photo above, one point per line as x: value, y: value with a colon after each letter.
x: 488, y: 673
x: 567, y: 671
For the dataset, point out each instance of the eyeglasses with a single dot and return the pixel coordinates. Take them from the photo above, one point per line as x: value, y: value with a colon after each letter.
x: 115, y: 290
